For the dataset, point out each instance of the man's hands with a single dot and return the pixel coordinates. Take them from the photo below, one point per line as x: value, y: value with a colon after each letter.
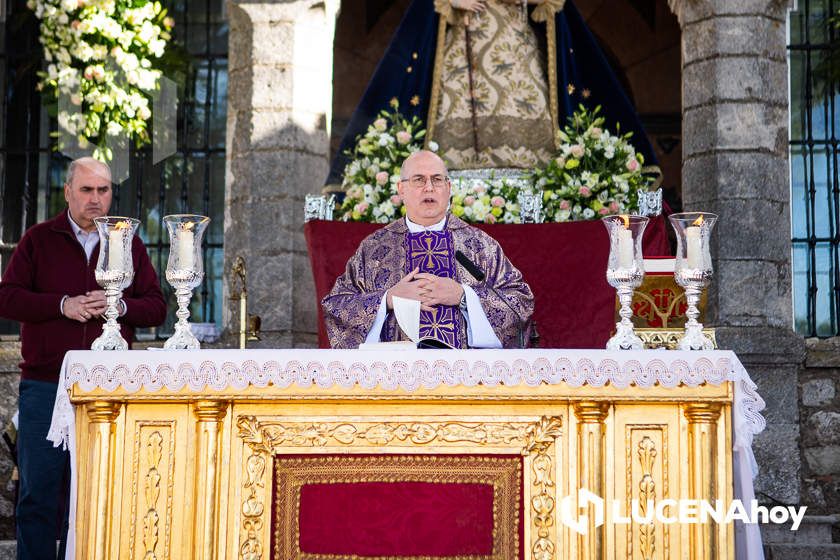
x: 85, y: 307
x: 429, y: 289
x: 405, y: 288
x: 435, y: 290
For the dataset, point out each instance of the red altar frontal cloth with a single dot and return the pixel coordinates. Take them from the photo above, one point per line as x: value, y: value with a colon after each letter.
x: 397, y: 519
x: 565, y: 265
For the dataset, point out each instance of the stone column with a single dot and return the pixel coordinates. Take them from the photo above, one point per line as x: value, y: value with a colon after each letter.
x: 279, y: 100
x: 735, y: 163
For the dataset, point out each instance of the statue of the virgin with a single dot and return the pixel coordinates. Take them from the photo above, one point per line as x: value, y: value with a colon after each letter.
x: 492, y: 80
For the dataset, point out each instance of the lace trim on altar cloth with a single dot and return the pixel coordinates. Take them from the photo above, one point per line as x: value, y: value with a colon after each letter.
x: 398, y: 374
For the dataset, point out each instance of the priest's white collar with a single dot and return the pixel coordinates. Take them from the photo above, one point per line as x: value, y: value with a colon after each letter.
x: 417, y: 228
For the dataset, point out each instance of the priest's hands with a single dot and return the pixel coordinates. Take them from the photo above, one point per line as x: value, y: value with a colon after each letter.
x: 405, y: 288
x: 428, y: 289
x: 435, y: 290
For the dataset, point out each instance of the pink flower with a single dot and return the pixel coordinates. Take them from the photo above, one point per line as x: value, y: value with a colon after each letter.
x: 380, y: 124
x: 577, y: 151
x: 396, y: 200
x: 561, y: 162
x: 614, y: 207
x: 585, y: 192
x: 88, y: 74
x: 632, y: 164
x: 479, y: 189
x: 403, y: 137
x: 75, y: 24
x: 490, y: 218
x: 595, y: 132
x: 361, y: 207
x: 381, y: 177
x: 564, y: 205
x: 468, y: 201
x: 497, y: 201
x: 604, y: 211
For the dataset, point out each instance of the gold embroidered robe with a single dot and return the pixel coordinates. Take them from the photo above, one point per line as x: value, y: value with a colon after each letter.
x: 379, y: 263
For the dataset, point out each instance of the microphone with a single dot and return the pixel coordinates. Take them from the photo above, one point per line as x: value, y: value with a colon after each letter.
x: 477, y: 273
x: 469, y: 265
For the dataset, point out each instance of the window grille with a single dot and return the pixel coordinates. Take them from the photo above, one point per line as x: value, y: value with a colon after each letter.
x: 815, y: 189
x: 192, y: 180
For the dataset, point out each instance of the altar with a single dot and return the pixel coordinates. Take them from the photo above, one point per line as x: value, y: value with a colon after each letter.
x: 304, y: 454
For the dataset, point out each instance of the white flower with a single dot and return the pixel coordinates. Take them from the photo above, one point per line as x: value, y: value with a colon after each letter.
x: 433, y: 146
x: 114, y: 128
x: 588, y: 213
x: 387, y: 208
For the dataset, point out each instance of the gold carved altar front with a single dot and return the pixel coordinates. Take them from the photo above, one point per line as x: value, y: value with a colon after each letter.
x: 177, y: 474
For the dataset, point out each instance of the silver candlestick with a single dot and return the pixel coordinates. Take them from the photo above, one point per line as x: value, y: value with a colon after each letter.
x: 184, y: 271
x: 625, y: 270
x: 114, y: 272
x: 693, y: 271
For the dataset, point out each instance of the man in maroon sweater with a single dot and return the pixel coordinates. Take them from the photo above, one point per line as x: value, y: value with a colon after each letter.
x: 49, y: 286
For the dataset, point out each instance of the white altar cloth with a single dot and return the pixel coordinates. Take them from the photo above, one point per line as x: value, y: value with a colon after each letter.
x: 411, y: 370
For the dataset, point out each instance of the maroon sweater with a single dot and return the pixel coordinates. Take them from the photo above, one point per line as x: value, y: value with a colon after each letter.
x: 48, y: 264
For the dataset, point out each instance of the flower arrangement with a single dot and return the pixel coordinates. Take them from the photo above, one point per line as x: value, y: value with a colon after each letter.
x: 488, y: 202
x: 370, y: 179
x: 103, y: 55
x: 593, y: 174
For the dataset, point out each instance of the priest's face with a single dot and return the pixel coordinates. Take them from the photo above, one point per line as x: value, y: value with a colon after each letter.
x: 424, y: 188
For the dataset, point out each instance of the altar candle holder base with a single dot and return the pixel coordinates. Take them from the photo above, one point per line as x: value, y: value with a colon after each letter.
x: 111, y: 337
x: 182, y: 281
x: 625, y: 338
x: 694, y: 339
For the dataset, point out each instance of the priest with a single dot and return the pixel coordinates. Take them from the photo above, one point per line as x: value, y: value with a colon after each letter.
x: 477, y: 300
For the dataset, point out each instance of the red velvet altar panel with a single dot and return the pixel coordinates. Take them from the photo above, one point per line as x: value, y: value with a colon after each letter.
x: 565, y: 265
x: 396, y: 518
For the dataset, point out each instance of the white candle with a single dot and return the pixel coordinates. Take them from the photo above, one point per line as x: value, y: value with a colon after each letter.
x: 184, y: 247
x: 625, y: 248
x: 693, y: 247
x: 116, y: 250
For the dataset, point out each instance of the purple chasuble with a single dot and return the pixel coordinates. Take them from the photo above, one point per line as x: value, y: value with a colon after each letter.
x: 434, y: 252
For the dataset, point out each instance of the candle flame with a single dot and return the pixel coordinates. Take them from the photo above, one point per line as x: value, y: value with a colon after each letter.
x: 122, y: 225
x: 187, y: 226
x: 626, y: 219
x: 698, y: 221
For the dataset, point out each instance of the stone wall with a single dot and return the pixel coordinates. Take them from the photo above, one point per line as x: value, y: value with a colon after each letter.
x: 9, y: 378
x: 279, y: 104
x: 819, y: 406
